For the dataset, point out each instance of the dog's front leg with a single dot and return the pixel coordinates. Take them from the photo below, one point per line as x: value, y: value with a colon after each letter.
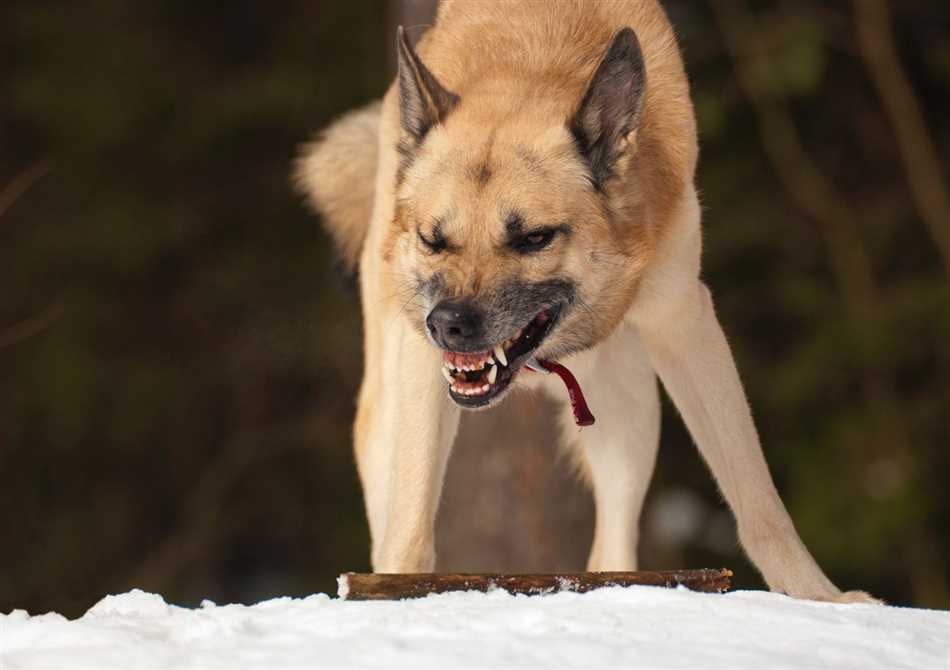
x: 689, y: 351
x: 422, y: 423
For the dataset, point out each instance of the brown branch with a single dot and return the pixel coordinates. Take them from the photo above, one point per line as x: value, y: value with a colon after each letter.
x: 21, y: 184
x: 354, y: 586
x: 32, y: 326
x: 918, y: 151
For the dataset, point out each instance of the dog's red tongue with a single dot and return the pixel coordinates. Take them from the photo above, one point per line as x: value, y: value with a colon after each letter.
x: 582, y: 415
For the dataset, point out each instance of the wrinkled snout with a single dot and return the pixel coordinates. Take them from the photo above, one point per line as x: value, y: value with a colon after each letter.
x: 457, y: 326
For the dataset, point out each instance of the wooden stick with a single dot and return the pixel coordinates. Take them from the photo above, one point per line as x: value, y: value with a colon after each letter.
x: 374, y: 586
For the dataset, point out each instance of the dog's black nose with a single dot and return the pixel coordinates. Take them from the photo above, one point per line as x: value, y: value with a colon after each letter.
x: 456, y: 326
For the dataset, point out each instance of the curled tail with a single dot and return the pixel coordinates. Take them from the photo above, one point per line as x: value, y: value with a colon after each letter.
x: 337, y: 174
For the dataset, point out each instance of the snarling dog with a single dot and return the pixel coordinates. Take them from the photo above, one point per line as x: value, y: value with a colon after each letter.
x: 523, y: 196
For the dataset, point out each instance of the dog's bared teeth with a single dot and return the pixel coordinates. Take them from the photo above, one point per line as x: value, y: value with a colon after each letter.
x: 500, y: 355
x: 493, y: 374
x: 448, y: 375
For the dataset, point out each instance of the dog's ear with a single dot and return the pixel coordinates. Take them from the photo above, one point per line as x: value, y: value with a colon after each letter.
x: 610, y: 110
x: 423, y: 101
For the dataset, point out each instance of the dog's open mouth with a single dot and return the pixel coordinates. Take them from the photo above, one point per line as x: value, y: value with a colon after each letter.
x: 477, y: 378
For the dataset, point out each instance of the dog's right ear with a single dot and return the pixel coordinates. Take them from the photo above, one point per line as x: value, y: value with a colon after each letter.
x: 423, y: 101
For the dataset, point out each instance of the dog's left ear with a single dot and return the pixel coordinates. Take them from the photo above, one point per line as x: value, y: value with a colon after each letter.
x: 423, y: 101
x: 610, y: 110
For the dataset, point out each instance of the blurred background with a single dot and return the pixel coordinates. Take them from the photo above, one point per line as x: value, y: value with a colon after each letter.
x: 178, y: 357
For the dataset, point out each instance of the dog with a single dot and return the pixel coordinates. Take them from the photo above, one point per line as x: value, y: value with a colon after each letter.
x: 524, y: 196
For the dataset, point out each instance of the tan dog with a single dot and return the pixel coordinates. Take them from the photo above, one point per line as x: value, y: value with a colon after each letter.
x: 534, y: 197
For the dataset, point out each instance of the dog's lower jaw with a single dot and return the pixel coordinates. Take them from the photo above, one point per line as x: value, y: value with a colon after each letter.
x: 493, y: 371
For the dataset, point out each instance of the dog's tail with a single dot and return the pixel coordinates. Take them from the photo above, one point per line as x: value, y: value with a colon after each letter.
x: 337, y: 174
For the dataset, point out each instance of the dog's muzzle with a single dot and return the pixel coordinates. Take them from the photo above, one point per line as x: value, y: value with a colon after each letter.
x: 478, y: 371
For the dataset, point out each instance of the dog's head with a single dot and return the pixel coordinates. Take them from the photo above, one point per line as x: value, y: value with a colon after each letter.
x: 512, y: 231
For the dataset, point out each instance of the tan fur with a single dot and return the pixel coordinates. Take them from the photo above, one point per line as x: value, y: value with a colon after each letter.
x: 336, y: 172
x: 520, y: 70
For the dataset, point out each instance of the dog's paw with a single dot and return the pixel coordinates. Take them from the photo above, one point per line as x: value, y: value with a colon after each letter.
x: 852, y: 597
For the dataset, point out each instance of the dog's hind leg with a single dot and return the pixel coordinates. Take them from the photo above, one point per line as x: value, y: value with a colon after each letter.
x: 619, y: 450
x: 407, y: 436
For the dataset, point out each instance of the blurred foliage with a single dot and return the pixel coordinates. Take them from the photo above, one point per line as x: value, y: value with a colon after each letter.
x: 178, y: 364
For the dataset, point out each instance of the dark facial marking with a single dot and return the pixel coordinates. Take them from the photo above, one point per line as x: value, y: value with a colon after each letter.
x: 514, y: 225
x: 528, y: 298
x: 506, y: 309
x: 531, y: 159
x: 436, y: 242
x: 480, y: 174
x: 431, y: 287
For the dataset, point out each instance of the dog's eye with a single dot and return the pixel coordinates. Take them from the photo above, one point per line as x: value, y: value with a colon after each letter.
x: 532, y: 242
x: 435, y: 245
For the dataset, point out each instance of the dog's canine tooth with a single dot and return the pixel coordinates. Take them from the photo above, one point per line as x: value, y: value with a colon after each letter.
x: 500, y: 355
x: 493, y: 374
x: 448, y: 375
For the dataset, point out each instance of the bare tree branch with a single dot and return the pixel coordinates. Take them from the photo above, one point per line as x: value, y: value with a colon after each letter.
x: 21, y: 184
x: 798, y: 173
x: 918, y: 152
x: 32, y: 326
x: 203, y: 518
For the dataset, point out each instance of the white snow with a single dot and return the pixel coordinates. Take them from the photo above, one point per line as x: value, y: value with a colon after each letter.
x: 637, y: 627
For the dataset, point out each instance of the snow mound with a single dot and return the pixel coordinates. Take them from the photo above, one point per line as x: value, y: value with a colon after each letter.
x: 636, y: 627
